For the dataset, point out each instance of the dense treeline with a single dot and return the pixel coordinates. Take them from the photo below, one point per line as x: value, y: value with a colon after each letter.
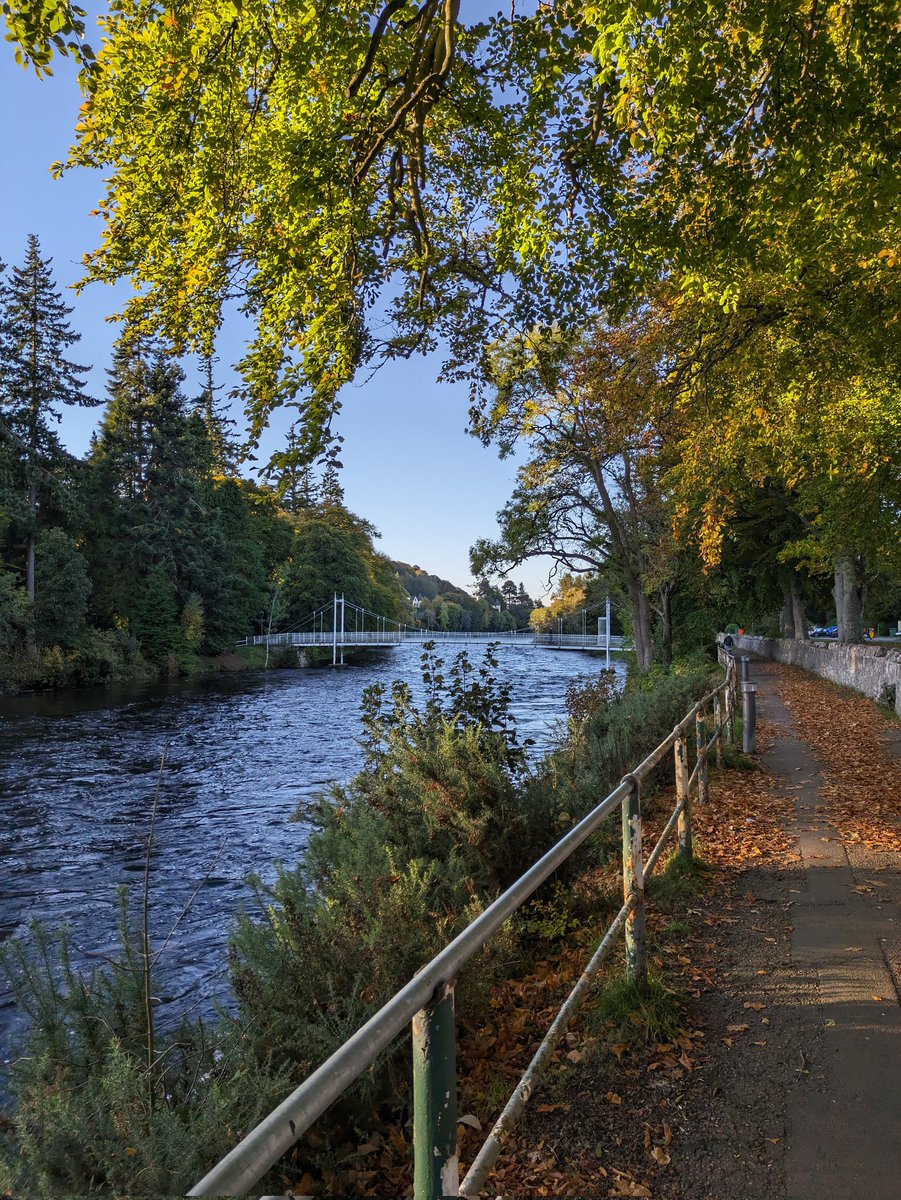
x: 697, y: 511
x: 151, y: 551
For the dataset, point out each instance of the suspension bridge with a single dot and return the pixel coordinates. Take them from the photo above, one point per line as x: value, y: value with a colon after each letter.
x: 342, y: 626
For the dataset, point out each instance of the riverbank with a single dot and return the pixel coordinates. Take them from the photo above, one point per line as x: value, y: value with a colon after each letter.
x: 117, y: 661
x: 113, y: 660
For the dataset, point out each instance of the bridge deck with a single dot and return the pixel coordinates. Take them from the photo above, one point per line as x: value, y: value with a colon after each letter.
x: 388, y: 638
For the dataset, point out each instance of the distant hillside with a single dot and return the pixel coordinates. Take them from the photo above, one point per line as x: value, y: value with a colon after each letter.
x: 440, y: 604
x: 420, y: 583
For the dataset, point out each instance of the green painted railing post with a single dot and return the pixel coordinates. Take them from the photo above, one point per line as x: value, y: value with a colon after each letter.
x: 683, y: 796
x: 436, y: 1170
x: 701, y: 732
x: 633, y: 885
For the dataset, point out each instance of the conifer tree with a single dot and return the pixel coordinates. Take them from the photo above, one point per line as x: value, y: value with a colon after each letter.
x: 36, y: 379
x: 144, y: 509
x: 165, y: 523
x: 331, y: 493
x: 219, y: 426
x: 292, y: 477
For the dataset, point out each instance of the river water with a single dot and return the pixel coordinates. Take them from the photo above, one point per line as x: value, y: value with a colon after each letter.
x: 78, y: 774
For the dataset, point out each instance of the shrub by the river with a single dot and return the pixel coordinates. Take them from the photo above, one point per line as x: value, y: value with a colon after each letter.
x: 442, y: 818
x: 103, y: 656
x: 445, y: 814
x: 106, y: 1104
x: 609, y: 732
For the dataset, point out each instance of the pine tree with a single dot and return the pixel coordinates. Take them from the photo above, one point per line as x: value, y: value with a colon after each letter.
x: 63, y: 588
x: 163, y: 518
x: 331, y: 493
x: 13, y: 493
x: 36, y: 379
x: 291, y: 476
x: 144, y: 513
x: 219, y: 426
x: 123, y: 444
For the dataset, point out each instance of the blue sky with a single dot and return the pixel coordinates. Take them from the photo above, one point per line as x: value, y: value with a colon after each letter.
x: 409, y: 466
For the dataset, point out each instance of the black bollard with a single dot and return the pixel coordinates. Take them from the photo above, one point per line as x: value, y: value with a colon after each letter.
x: 749, y: 716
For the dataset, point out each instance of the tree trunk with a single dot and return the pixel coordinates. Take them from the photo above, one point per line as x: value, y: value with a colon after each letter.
x: 642, y: 630
x: 793, y: 622
x: 787, y: 614
x: 848, y: 594
x: 29, y: 566
x: 838, y: 592
x: 666, y: 618
x: 30, y: 643
x: 799, y: 619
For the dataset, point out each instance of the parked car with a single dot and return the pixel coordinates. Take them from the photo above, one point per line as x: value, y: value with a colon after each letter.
x: 824, y: 631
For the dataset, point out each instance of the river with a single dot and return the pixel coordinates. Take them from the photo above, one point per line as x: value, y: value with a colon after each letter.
x: 79, y: 770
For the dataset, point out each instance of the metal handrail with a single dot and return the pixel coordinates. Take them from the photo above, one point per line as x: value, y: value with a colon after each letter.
x: 276, y: 1133
x: 247, y: 1162
x: 617, y: 640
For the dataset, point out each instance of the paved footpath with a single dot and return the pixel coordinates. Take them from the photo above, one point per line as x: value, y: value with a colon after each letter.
x: 844, y: 1128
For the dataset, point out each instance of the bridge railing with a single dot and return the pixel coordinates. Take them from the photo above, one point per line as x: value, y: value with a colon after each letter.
x: 326, y: 637
x: 427, y: 1001
x: 589, y: 641
x: 370, y: 637
x: 383, y: 637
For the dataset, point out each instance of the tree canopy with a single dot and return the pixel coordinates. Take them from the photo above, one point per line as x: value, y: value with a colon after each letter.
x: 375, y: 179
x: 321, y: 162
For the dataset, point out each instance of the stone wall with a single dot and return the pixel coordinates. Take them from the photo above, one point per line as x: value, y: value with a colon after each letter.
x: 871, y: 668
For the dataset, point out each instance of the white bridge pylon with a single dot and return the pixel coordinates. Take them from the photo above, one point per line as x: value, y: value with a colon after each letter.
x: 342, y: 625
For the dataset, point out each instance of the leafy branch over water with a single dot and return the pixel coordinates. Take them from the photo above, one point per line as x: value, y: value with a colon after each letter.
x: 467, y: 697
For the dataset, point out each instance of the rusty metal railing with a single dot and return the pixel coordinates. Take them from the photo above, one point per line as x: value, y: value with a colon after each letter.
x: 427, y: 1001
